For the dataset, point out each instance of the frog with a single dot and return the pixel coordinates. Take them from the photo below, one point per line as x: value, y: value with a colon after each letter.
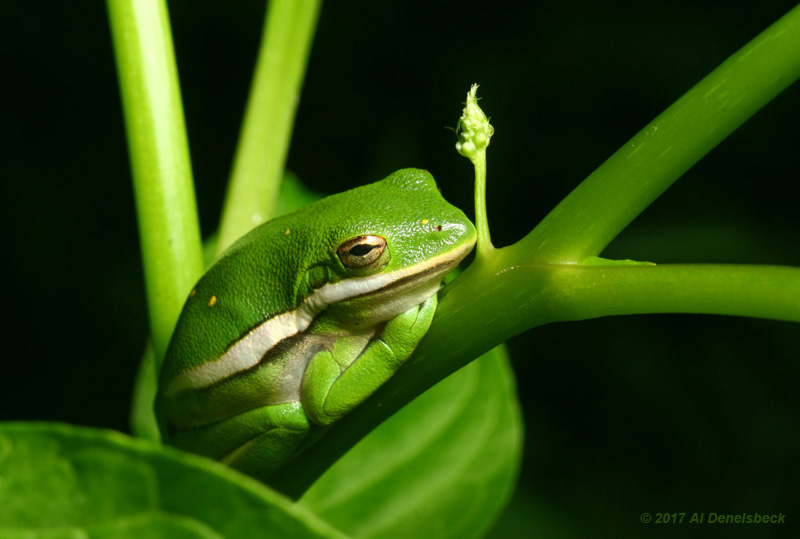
x: 303, y: 318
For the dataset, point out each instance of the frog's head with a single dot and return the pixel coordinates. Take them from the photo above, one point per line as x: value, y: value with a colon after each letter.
x: 385, y: 248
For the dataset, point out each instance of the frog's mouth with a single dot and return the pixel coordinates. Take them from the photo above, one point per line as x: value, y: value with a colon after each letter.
x: 358, y: 301
x: 392, y: 297
x: 434, y: 271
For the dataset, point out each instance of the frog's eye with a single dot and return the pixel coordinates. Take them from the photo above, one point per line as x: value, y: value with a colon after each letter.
x: 362, y: 252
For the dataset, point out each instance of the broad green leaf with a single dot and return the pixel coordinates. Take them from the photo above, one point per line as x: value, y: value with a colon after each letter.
x: 57, y: 480
x: 444, y: 466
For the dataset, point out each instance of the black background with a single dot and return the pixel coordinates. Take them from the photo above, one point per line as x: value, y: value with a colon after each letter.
x: 658, y: 413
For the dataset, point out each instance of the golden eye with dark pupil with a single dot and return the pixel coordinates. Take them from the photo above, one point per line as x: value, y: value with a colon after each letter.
x: 361, y: 251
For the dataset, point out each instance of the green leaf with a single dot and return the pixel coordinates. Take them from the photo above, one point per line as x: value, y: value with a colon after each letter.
x: 443, y: 466
x: 57, y: 480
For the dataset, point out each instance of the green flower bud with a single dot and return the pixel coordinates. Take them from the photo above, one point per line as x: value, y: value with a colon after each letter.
x: 474, y: 130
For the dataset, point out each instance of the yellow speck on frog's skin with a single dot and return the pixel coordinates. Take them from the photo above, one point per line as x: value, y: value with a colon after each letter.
x: 287, y: 232
x: 425, y: 221
x: 212, y: 301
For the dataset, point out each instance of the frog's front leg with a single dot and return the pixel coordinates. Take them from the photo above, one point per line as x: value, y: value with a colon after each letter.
x: 332, y: 388
x: 256, y: 442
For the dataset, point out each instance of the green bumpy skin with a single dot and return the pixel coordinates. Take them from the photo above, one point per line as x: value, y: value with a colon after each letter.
x: 303, y: 318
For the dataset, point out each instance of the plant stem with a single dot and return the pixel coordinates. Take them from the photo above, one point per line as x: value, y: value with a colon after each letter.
x: 582, y: 292
x: 505, y: 300
x: 484, y: 243
x: 621, y: 188
x: 267, y: 128
x: 159, y: 153
x: 474, y: 135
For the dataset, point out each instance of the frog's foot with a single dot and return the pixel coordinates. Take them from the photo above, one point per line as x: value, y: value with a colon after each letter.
x: 330, y: 392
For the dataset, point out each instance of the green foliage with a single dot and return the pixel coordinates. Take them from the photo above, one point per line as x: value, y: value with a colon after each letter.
x: 65, y: 481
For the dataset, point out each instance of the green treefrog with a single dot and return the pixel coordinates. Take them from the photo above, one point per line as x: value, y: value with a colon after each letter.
x: 303, y: 318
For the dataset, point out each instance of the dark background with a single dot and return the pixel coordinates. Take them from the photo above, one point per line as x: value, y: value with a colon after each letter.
x: 624, y: 415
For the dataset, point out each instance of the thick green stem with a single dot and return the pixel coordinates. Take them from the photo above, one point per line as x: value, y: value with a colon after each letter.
x: 267, y: 128
x: 582, y: 292
x: 613, y: 195
x: 159, y: 153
